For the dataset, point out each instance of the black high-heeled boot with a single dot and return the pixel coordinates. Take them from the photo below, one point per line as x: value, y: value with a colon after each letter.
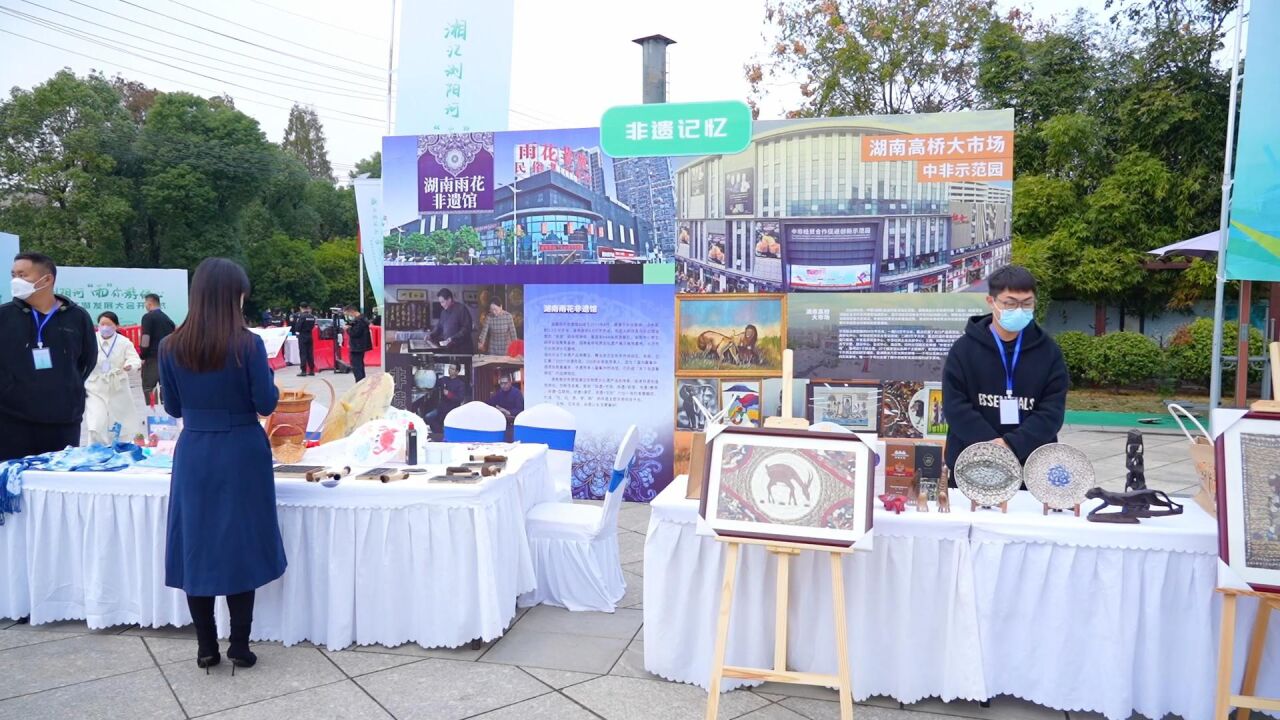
x: 206, y: 631
x: 240, y: 607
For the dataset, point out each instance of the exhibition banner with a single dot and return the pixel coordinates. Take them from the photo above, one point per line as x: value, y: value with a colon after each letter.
x: 454, y: 67
x: 122, y: 290
x: 1253, y: 239
x: 373, y: 230
x: 8, y: 248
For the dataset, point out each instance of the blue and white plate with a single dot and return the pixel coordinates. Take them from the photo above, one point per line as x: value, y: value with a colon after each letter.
x: 1059, y: 475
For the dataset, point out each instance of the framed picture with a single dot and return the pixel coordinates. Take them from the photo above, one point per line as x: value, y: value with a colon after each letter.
x: 692, y: 393
x: 788, y: 485
x: 902, y: 409
x: 741, y: 402
x: 730, y: 335
x: 1248, y: 459
x: 935, y: 417
x: 851, y: 405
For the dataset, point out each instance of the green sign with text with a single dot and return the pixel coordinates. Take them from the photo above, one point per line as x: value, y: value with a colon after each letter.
x: 662, y: 129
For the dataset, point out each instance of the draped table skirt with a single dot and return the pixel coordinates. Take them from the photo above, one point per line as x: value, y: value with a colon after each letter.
x: 369, y: 563
x: 1068, y: 615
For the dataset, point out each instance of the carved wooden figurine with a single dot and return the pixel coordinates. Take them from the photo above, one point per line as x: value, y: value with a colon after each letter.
x: 1136, y: 479
x: 944, y: 496
x: 1132, y: 505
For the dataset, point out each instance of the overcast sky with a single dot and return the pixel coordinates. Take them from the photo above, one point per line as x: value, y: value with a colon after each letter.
x: 572, y: 58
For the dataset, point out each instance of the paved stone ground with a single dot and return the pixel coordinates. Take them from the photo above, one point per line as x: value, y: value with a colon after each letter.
x: 552, y: 664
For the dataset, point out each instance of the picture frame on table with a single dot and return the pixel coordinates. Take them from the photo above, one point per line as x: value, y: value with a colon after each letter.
x: 851, y: 404
x: 731, y: 335
x: 692, y: 392
x: 935, y: 416
x: 741, y: 402
x: 902, y: 409
x: 1248, y: 467
x: 788, y: 486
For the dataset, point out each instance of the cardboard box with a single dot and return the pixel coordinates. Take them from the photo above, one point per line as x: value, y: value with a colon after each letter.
x: 900, y: 469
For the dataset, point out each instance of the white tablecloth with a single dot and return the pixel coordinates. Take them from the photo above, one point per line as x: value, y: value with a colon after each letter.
x: 1056, y: 610
x: 438, y: 564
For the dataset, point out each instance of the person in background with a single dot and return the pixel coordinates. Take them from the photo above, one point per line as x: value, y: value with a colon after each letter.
x: 499, y: 330
x: 48, y: 352
x: 360, y: 340
x: 1004, y: 380
x: 453, y: 328
x: 376, y: 318
x: 303, y: 323
x: 267, y: 319
x: 508, y: 398
x: 223, y: 535
x: 156, y: 326
x: 109, y: 401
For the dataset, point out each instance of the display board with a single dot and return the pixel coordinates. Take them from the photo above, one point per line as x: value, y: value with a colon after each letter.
x: 820, y: 235
x: 122, y: 290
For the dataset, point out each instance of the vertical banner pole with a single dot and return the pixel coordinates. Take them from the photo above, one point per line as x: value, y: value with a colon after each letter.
x: 1219, y: 298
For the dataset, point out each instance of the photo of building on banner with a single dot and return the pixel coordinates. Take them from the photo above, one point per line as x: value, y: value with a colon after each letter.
x: 548, y: 197
x: 902, y: 203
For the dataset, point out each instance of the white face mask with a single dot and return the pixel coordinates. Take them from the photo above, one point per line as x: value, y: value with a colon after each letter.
x: 22, y: 288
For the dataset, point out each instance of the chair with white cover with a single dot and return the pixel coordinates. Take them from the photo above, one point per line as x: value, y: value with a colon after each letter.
x: 556, y: 428
x: 475, y: 422
x: 575, y: 545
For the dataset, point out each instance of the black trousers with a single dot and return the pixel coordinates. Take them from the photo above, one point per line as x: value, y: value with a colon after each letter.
x: 150, y: 378
x: 357, y: 364
x: 307, y: 355
x: 19, y: 439
x: 239, y: 606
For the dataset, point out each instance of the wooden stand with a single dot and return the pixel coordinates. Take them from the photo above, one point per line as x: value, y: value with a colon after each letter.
x: 1246, y: 701
x: 1272, y: 405
x: 1048, y: 509
x: 785, y: 419
x: 973, y: 506
x: 784, y: 551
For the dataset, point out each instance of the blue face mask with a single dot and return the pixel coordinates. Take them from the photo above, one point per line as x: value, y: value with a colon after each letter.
x: 1016, y: 320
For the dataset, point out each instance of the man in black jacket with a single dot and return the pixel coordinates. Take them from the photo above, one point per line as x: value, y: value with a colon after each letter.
x: 303, y: 323
x: 156, y: 326
x: 359, y: 340
x: 1004, y: 380
x: 48, y: 352
x: 453, y: 328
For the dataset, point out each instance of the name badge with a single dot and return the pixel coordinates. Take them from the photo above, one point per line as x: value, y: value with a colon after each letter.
x: 42, y: 358
x: 1009, y: 411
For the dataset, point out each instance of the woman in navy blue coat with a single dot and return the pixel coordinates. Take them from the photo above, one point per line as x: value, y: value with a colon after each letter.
x: 223, y: 535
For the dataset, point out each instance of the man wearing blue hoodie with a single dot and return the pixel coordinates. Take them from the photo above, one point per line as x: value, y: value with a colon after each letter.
x: 1004, y: 379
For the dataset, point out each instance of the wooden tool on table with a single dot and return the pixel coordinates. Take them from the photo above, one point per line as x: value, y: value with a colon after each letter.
x: 785, y: 420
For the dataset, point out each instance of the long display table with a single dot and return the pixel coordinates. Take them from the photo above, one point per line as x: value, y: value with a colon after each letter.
x: 1065, y: 613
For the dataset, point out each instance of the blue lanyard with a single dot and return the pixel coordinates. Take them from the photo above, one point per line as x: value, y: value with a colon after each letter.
x: 35, y: 318
x: 1008, y: 371
x: 114, y: 339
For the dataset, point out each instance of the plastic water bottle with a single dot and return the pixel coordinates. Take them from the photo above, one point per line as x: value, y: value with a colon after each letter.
x: 411, y: 446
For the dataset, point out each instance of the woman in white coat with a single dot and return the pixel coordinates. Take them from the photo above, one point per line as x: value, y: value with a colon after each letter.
x: 109, y: 400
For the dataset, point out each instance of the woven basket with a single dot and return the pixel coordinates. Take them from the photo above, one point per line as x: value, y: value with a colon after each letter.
x: 287, y: 447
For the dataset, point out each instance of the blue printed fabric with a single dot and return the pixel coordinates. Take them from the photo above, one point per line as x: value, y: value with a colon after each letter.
x: 91, y: 458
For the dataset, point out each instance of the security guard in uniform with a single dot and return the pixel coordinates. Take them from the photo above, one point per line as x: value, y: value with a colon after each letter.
x: 303, y: 323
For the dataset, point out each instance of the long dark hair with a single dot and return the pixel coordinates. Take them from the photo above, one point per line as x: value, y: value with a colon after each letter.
x: 214, y: 325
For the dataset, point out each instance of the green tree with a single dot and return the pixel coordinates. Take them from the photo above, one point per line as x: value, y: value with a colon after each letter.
x: 62, y: 144
x: 304, y: 139
x: 371, y: 165
x: 873, y: 56
x: 284, y: 273
x: 338, y: 261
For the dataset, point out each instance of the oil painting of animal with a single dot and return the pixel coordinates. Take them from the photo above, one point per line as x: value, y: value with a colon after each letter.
x: 730, y: 335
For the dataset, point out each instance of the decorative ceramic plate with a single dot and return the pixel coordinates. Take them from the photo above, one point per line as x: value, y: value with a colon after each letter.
x: 988, y: 474
x: 1058, y: 475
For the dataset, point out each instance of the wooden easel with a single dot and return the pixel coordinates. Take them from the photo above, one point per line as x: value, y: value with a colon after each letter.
x: 1246, y: 701
x: 783, y: 551
x: 785, y: 419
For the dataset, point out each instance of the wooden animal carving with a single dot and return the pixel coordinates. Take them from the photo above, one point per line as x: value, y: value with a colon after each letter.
x: 781, y: 474
x: 1136, y: 478
x: 1132, y: 505
x: 944, y: 497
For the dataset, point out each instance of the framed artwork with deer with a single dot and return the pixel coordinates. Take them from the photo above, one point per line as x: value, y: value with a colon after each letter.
x: 788, y: 485
x: 1248, y: 471
x: 730, y: 335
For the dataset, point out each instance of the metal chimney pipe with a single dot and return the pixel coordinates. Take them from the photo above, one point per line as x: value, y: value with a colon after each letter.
x: 654, y: 74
